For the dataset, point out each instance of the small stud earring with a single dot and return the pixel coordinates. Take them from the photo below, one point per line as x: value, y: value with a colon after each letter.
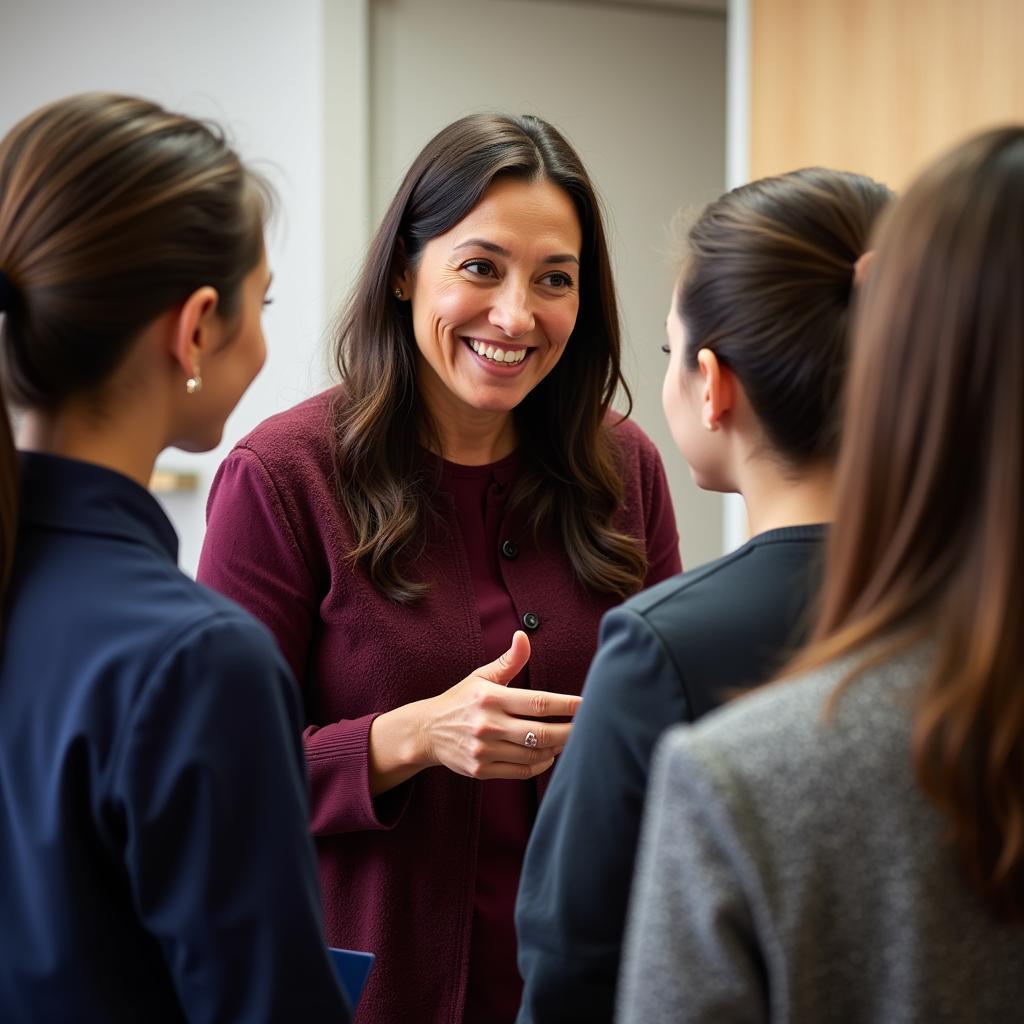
x: 195, y: 383
x: 399, y: 294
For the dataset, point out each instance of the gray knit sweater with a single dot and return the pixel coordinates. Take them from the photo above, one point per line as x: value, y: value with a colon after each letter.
x: 791, y: 870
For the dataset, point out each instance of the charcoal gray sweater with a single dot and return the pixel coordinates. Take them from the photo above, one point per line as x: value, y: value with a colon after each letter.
x: 791, y: 870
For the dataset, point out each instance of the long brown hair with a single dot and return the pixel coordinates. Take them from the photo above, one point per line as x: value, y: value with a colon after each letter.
x: 112, y: 210
x: 928, y: 542
x: 767, y: 285
x: 569, y: 479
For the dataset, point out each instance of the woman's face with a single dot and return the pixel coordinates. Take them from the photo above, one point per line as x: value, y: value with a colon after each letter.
x: 494, y: 300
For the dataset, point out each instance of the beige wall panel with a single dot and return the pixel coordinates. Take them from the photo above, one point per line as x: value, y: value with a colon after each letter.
x: 879, y: 86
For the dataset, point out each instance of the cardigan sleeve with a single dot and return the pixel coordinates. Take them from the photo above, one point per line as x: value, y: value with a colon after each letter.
x: 209, y: 785
x: 649, y: 509
x: 251, y: 554
x: 662, y: 536
x: 585, y: 838
x: 691, y: 950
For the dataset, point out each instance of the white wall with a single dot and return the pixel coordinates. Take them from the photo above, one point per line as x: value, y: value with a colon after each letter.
x: 737, y: 172
x: 256, y: 67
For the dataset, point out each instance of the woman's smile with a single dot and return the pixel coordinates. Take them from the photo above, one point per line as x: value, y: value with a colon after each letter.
x: 496, y: 356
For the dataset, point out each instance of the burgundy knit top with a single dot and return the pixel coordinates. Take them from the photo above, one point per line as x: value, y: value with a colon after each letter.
x: 507, y: 807
x: 420, y: 874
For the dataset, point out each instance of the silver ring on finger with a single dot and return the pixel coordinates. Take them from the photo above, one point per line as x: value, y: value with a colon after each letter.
x: 531, y: 740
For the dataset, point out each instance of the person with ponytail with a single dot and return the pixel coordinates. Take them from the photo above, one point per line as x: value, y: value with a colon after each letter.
x: 847, y: 843
x: 155, y: 862
x: 758, y: 342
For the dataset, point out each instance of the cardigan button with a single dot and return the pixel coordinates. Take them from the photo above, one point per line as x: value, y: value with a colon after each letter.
x: 510, y: 549
x: 531, y: 621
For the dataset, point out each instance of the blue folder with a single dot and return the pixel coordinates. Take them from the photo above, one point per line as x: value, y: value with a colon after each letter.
x: 352, y: 969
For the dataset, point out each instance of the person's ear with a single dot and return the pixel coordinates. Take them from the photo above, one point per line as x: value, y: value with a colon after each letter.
x: 401, y: 275
x: 718, y: 389
x: 401, y: 286
x: 195, y: 334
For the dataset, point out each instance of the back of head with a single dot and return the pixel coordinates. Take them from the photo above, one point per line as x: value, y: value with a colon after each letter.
x: 929, y: 537
x: 112, y: 211
x: 767, y: 286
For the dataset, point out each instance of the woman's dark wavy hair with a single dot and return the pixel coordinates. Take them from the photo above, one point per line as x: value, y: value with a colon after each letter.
x: 112, y: 210
x: 767, y: 286
x: 569, y: 481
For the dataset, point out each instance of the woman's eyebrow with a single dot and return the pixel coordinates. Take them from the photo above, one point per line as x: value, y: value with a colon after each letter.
x: 482, y: 243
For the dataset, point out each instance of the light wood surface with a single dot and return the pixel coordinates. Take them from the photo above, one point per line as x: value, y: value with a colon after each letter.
x: 171, y: 481
x: 879, y: 86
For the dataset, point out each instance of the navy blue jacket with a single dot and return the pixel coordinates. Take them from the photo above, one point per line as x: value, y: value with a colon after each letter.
x: 155, y: 862
x: 668, y: 655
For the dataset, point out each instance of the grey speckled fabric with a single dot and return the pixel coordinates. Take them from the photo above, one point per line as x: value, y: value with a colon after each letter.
x: 791, y: 870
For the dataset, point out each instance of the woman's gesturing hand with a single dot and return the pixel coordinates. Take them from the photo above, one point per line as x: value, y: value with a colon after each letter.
x: 480, y: 727
x: 485, y: 729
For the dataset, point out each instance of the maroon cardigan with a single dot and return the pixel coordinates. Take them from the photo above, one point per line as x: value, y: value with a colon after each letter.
x: 397, y: 873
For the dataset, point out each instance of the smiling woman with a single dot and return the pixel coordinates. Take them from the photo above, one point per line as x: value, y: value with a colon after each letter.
x: 466, y: 481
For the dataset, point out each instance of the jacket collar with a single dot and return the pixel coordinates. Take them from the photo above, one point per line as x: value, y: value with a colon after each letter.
x: 81, y: 497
